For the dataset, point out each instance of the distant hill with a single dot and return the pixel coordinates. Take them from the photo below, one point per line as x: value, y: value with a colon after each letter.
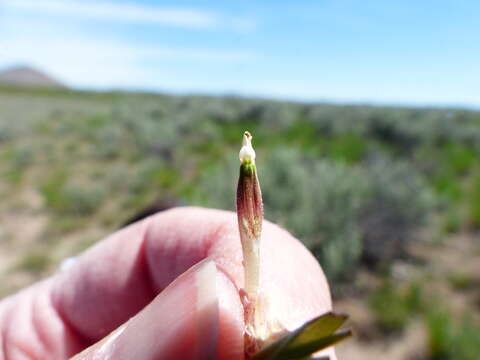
x: 25, y: 76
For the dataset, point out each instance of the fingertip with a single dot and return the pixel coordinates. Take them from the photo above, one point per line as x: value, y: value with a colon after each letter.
x: 198, y: 316
x: 180, y: 323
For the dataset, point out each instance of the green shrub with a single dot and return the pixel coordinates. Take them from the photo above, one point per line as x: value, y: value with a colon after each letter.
x: 399, y: 202
x: 147, y: 129
x: 459, y: 157
x: 81, y: 200
x: 63, y: 223
x: 452, y: 337
x: 463, y: 281
x: 452, y: 221
x: 71, y: 199
x: 109, y: 142
x: 348, y: 147
x: 394, y: 307
x: 448, y: 186
x: 440, y: 334
x: 51, y: 189
x: 18, y: 160
x: 22, y: 157
x: 35, y: 262
x: 473, y: 202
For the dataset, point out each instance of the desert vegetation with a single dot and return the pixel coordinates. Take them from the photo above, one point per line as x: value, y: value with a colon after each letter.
x: 368, y: 189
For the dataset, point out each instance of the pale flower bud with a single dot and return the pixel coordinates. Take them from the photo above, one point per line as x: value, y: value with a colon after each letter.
x: 247, y: 154
x: 250, y: 216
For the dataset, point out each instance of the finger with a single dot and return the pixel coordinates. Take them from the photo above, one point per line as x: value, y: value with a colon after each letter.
x: 31, y: 328
x: 119, y: 276
x: 185, y: 321
x: 115, y: 279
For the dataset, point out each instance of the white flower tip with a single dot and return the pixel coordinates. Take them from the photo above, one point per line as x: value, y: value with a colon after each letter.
x: 247, y: 138
x: 247, y: 154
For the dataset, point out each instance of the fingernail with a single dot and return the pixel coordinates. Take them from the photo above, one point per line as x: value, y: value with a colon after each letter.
x: 207, y: 311
x: 180, y: 323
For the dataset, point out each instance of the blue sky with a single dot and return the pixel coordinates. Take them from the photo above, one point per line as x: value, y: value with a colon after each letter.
x: 384, y: 52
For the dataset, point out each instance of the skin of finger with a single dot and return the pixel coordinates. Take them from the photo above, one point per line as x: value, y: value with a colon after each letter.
x: 30, y: 327
x: 109, y: 284
x: 184, y: 322
x: 115, y: 279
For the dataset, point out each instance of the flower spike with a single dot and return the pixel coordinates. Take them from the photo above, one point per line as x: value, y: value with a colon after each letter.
x: 250, y: 216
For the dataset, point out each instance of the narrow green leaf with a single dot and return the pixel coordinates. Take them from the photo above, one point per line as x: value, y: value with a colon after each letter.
x: 297, y: 352
x: 315, y: 335
x: 321, y: 326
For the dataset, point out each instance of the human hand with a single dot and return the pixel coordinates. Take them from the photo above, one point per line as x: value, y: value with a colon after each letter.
x: 169, y: 285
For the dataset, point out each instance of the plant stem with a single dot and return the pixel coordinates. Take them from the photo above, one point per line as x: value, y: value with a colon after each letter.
x: 250, y: 217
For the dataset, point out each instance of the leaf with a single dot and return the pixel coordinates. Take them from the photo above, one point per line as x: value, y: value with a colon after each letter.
x: 315, y: 335
x: 292, y: 352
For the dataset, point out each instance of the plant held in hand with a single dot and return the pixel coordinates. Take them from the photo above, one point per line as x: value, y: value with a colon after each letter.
x: 265, y: 337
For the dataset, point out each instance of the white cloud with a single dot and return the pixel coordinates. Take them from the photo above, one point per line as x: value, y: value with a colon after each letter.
x: 188, y: 54
x: 131, y: 13
x: 76, y: 63
x: 87, y: 62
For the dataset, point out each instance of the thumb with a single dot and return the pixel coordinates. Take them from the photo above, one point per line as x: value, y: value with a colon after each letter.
x: 198, y: 316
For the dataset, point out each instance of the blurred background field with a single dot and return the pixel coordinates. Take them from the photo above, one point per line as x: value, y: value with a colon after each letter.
x: 366, y: 123
x: 388, y: 199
